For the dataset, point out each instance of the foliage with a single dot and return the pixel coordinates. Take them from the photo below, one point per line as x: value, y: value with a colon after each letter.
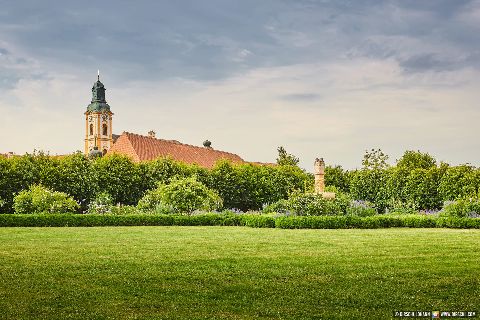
x: 102, y: 204
x: 396, y: 206
x: 181, y: 195
x: 361, y: 208
x: 118, y: 176
x: 285, y: 158
x: 161, y: 170
x: 242, y: 186
x: 395, y: 187
x: 460, y: 182
x: 416, y: 160
x: 375, y: 159
x: 415, y: 183
x: 20, y: 172
x: 308, y: 204
x: 38, y: 199
x: 230, y: 219
x: 373, y: 222
x: 421, y: 188
x: 462, y: 208
x: 257, y: 221
x: 224, y: 180
x: 248, y: 186
x: 337, y: 177
x: 74, y: 177
x: 370, y: 185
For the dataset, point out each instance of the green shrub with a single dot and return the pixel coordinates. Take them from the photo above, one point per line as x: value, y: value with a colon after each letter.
x: 281, y: 206
x: 460, y: 223
x: 371, y: 185
x: 38, y: 199
x: 462, y: 208
x: 257, y: 221
x: 180, y: 195
x: 459, y: 182
x: 401, y: 207
x: 102, y: 204
x: 122, y: 210
x: 361, y: 208
x: 307, y: 204
x: 229, y: 219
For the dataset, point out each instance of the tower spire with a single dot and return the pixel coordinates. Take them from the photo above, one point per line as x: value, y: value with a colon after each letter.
x: 98, y: 74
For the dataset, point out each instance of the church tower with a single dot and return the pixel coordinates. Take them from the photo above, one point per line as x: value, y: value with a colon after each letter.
x: 98, y: 121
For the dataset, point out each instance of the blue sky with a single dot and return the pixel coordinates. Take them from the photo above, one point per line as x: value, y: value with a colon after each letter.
x: 322, y: 78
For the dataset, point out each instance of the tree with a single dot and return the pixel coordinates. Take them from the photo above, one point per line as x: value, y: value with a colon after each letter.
x: 421, y: 188
x: 337, y: 177
x: 416, y: 160
x: 375, y: 159
x: 285, y: 158
x: 459, y: 182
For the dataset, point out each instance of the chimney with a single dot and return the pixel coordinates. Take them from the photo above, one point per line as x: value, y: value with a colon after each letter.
x: 319, y: 171
x: 151, y: 134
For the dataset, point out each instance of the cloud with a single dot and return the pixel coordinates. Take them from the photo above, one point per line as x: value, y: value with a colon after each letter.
x: 322, y: 78
x: 303, y: 97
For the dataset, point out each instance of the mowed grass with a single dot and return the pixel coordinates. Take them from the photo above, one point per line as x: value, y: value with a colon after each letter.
x: 235, y: 272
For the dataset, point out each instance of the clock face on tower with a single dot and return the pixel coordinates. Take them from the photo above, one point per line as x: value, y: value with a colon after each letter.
x: 105, y: 117
x: 90, y: 118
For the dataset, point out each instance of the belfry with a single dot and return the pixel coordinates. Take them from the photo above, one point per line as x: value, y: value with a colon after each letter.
x: 98, y: 121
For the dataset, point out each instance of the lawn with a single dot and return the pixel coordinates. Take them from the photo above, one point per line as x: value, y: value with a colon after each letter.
x: 235, y: 272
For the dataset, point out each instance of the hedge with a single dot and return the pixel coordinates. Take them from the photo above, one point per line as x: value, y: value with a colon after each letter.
x: 249, y: 220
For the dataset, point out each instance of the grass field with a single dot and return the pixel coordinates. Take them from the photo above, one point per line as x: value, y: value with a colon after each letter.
x: 235, y: 272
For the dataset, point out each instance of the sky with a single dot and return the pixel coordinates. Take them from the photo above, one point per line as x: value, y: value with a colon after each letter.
x: 324, y: 79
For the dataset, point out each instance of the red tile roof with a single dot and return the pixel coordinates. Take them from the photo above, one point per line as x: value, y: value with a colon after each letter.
x: 142, y: 148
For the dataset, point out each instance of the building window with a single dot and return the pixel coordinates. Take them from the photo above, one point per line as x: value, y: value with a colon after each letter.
x: 91, y: 129
x: 105, y: 129
x: 104, y: 151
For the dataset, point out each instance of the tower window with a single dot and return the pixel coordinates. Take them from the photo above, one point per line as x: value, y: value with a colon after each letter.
x: 104, y: 151
x: 91, y: 129
x: 105, y: 129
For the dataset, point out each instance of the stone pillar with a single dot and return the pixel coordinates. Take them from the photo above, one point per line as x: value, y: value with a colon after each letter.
x: 319, y: 171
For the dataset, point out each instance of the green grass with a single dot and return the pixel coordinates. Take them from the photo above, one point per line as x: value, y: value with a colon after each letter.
x: 235, y: 272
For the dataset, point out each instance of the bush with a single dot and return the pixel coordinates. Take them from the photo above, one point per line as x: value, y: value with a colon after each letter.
x: 401, y: 207
x: 102, y: 204
x: 463, y: 208
x: 308, y: 204
x: 371, y: 185
x: 257, y: 221
x: 361, y: 208
x: 281, y: 206
x: 229, y: 219
x: 180, y: 195
x: 38, y: 199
